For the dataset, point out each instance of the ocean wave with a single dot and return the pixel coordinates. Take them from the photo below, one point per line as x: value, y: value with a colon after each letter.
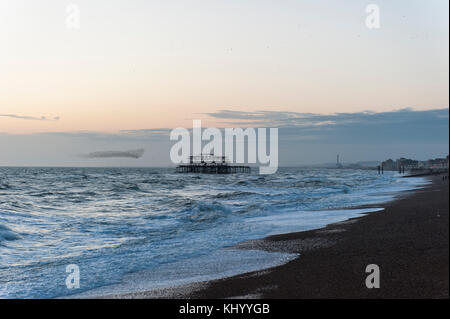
x: 243, y: 182
x: 233, y: 194
x: 150, y: 181
x: 4, y: 186
x: 44, y: 194
x: 207, y: 212
x: 132, y: 187
x: 7, y: 234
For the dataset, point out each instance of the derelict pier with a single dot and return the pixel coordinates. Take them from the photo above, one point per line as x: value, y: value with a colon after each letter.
x: 210, y: 164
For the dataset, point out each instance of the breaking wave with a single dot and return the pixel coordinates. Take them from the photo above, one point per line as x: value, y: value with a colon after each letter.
x: 7, y: 234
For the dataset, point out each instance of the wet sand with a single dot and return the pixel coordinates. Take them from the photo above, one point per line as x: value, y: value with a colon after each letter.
x: 409, y: 241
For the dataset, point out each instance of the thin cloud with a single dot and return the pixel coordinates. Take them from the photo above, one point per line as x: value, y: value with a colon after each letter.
x: 116, y: 154
x: 30, y: 118
x: 405, y: 126
x: 295, y: 119
x: 401, y: 126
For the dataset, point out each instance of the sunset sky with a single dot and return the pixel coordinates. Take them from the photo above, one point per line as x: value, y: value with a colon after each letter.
x: 144, y: 65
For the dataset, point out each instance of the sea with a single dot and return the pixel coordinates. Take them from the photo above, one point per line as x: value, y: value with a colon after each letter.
x: 137, y: 229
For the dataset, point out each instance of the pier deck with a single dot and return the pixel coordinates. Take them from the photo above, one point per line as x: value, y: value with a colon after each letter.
x: 212, y: 169
x: 210, y: 164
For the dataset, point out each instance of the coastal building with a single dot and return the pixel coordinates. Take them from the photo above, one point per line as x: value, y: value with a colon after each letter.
x: 437, y: 163
x: 389, y: 165
x: 338, y: 164
x: 407, y: 164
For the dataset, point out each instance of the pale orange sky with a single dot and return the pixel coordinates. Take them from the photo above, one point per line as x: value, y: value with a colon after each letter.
x: 149, y: 64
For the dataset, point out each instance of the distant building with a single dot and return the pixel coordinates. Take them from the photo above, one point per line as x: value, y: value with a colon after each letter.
x: 389, y: 165
x: 338, y: 164
x: 438, y: 163
x: 409, y: 164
